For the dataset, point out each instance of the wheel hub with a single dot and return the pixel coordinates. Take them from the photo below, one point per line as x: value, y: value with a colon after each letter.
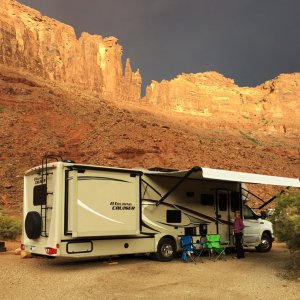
x: 265, y: 243
x: 167, y: 250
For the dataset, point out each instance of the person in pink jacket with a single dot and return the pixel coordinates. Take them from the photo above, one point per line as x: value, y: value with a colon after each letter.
x: 238, y: 227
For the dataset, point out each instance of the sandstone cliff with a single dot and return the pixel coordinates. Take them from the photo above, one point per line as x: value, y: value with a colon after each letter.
x: 273, y: 106
x: 48, y: 48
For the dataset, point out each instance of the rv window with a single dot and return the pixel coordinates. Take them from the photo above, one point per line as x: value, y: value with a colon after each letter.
x: 235, y: 201
x: 40, y: 195
x: 190, y: 231
x: 222, y: 201
x: 190, y: 194
x: 207, y: 199
x: 173, y: 216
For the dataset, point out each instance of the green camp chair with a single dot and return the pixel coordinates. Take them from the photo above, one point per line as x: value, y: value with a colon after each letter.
x: 215, y: 247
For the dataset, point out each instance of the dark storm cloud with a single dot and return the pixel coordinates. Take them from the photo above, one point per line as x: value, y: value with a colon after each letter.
x: 248, y: 40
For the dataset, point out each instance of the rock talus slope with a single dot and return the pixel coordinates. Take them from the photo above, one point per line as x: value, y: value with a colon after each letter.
x: 38, y: 117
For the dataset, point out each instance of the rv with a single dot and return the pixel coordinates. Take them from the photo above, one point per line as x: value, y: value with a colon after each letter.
x: 76, y: 210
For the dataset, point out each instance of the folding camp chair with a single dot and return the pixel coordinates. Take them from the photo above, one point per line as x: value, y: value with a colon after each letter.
x: 189, y: 251
x: 215, y: 247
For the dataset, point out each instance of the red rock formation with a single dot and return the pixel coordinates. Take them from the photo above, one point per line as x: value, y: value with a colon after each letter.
x: 48, y: 48
x: 273, y: 106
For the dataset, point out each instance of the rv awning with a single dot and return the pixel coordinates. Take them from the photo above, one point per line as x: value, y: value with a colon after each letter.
x: 223, y: 175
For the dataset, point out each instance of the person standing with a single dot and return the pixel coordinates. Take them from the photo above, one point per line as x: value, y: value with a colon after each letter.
x: 238, y: 227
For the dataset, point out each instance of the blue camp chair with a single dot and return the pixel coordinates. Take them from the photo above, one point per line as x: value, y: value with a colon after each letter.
x: 189, y: 250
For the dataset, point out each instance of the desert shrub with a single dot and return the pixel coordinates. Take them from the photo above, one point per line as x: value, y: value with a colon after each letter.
x: 286, y: 219
x: 10, y: 228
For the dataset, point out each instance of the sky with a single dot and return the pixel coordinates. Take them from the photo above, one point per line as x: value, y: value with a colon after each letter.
x: 250, y: 41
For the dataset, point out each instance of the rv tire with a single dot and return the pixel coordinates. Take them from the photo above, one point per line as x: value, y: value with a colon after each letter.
x: 266, y: 243
x: 33, y: 225
x: 166, y: 250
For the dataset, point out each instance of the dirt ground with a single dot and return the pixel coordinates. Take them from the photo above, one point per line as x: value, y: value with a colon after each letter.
x: 258, y: 276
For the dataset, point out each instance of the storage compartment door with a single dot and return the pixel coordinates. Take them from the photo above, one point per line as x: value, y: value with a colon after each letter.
x: 107, y: 204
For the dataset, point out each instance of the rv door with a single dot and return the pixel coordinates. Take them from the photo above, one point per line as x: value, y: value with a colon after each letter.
x: 223, y: 214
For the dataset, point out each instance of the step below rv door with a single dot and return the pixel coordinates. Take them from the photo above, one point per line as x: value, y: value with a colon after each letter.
x: 103, y: 203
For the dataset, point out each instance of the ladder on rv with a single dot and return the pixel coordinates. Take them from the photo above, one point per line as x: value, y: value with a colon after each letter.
x: 45, y: 173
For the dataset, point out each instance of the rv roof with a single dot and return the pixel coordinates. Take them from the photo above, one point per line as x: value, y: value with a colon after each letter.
x: 217, y: 174
x: 198, y: 173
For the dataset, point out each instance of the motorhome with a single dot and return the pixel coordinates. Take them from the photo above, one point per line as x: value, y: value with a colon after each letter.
x: 76, y: 210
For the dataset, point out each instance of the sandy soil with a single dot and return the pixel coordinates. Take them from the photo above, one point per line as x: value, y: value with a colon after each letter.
x: 139, y: 278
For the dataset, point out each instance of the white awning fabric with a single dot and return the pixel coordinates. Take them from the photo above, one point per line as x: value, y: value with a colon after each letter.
x: 223, y: 175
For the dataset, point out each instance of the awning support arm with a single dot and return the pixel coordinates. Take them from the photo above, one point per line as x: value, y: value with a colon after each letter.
x: 273, y: 198
x: 192, y: 170
x: 148, y: 184
x: 248, y: 192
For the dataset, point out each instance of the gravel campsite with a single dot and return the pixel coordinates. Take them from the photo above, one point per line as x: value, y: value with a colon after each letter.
x: 259, y: 276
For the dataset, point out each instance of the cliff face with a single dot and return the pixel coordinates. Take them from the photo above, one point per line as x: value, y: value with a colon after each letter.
x: 48, y: 48
x: 272, y: 106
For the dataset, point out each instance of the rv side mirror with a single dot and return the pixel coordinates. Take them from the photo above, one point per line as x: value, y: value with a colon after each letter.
x: 263, y: 214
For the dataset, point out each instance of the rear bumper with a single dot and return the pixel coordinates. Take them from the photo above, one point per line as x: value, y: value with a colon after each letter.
x: 37, y: 250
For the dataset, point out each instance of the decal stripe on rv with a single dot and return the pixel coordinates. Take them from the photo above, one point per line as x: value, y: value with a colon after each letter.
x: 190, y: 211
x: 84, y: 206
x: 100, y: 178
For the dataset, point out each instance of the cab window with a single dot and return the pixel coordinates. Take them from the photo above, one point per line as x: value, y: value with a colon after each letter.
x: 248, y: 213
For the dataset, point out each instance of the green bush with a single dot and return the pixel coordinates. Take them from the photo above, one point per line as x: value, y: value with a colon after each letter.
x: 10, y: 228
x: 286, y: 219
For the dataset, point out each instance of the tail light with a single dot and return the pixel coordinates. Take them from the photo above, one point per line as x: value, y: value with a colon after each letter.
x: 51, y: 251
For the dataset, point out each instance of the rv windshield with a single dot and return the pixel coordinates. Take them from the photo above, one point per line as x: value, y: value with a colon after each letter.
x: 248, y: 213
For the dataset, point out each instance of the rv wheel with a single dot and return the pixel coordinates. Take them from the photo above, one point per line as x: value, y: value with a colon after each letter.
x: 166, y: 250
x: 266, y: 243
x: 33, y: 225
